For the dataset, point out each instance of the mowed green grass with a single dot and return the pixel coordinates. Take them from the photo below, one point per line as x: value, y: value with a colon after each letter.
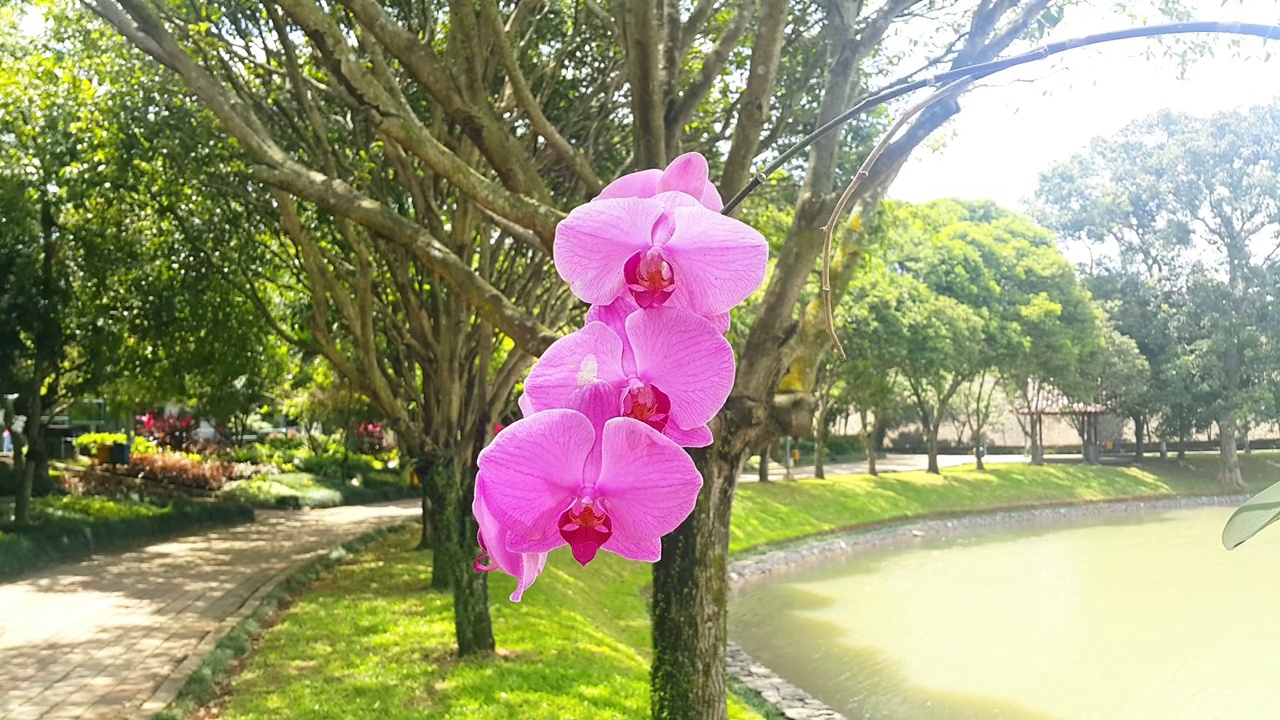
x: 370, y: 640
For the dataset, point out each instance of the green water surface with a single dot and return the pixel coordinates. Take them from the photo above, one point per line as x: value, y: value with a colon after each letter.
x: 1137, y: 618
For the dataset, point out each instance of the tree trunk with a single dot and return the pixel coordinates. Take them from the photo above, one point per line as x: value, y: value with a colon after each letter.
x: 867, y: 435
x: 34, y: 440
x: 1228, y: 462
x: 1139, y: 436
x: 690, y: 596
x: 931, y: 446
x: 1164, y: 450
x: 26, y: 480
x: 978, y: 449
x: 1182, y: 448
x: 454, y: 550
x: 880, y: 435
x: 819, y: 443
x: 1037, y: 439
x: 763, y: 470
x: 422, y: 470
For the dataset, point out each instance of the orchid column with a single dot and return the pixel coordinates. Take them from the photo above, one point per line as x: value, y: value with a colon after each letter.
x: 598, y: 462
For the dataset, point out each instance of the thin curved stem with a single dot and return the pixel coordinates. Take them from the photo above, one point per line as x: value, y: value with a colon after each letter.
x: 864, y: 171
x: 981, y: 70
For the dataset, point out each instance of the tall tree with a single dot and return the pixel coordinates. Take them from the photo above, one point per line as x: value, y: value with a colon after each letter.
x: 60, y: 344
x: 449, y: 138
x: 1175, y: 192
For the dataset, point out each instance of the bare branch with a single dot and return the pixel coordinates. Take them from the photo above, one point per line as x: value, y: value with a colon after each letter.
x: 863, y: 172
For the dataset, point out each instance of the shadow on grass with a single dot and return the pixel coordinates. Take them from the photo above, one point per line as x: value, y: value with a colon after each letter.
x: 369, y: 641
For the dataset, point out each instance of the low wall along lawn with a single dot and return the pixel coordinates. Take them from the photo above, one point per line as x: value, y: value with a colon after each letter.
x: 369, y: 641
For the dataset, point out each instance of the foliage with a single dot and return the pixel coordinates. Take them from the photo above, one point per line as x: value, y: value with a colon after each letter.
x: 1187, y: 209
x: 192, y: 472
x: 579, y: 646
x: 171, y: 432
x: 88, y: 443
x: 305, y: 490
x: 41, y: 486
x: 70, y: 527
x: 371, y: 438
x: 961, y: 290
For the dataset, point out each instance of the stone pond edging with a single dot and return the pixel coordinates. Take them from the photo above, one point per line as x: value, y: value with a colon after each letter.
x: 797, y: 704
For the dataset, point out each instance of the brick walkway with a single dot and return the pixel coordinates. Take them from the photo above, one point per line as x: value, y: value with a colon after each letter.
x: 117, y: 635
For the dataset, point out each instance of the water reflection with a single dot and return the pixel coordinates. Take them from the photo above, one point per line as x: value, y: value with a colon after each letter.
x: 1145, y: 619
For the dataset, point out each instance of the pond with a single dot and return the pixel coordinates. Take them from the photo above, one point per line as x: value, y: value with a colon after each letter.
x: 1134, y: 618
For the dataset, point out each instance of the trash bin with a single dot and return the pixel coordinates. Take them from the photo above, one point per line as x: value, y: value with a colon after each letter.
x: 119, y: 454
x: 103, y: 454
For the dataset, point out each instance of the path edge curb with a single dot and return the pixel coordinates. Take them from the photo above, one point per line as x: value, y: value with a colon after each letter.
x: 196, y: 679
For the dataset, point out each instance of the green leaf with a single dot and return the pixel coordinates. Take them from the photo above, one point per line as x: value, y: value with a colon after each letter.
x: 1248, y: 520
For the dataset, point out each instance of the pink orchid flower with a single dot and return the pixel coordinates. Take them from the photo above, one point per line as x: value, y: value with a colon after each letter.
x: 687, y: 174
x: 615, y: 314
x: 667, y: 249
x: 556, y: 478
x: 524, y: 567
x: 669, y: 368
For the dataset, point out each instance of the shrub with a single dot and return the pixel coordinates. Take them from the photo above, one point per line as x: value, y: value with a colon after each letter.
x: 371, y: 437
x: 179, y: 469
x: 40, y: 486
x: 301, y: 489
x: 338, y: 465
x: 70, y: 527
x: 188, y: 470
x: 168, y: 431
x: 88, y: 443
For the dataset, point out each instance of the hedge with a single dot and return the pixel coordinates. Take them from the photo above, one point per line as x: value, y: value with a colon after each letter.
x: 68, y: 528
x: 307, y: 490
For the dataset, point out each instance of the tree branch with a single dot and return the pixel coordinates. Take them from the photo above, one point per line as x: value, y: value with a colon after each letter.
x: 985, y: 69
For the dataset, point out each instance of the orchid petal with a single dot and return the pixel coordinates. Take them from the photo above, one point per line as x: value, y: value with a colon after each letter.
x: 615, y: 316
x: 524, y: 567
x: 718, y: 261
x: 648, y: 483
x: 595, y: 241
x: 525, y: 403
x: 643, y: 550
x: 573, y: 362
x: 711, y: 198
x: 531, y: 472
x: 600, y: 402
x: 643, y: 184
x: 687, y: 174
x: 683, y: 355
x: 693, y: 437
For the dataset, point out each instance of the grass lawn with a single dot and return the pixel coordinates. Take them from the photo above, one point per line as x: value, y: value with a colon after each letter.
x: 368, y: 640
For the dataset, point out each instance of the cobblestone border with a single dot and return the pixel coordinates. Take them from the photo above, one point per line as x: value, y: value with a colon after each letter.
x: 795, y: 703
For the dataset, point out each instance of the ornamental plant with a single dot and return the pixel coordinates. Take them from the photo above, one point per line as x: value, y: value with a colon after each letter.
x: 598, y: 461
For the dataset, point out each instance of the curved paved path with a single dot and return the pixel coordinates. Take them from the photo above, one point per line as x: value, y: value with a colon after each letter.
x: 115, y: 636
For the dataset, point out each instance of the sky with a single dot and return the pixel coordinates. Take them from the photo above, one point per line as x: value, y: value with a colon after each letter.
x: 1023, y: 121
